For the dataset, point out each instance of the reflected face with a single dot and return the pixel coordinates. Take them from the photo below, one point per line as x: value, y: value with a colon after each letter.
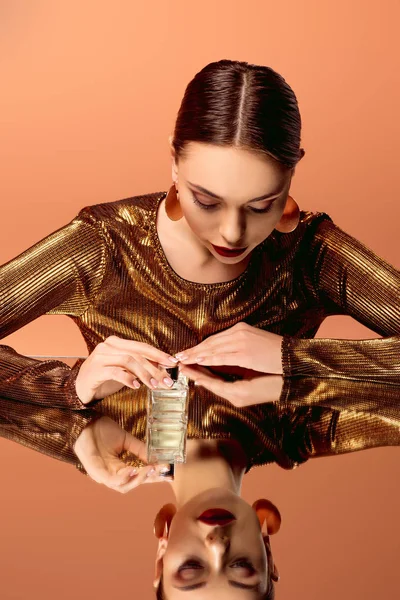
x: 215, y: 560
x: 230, y: 197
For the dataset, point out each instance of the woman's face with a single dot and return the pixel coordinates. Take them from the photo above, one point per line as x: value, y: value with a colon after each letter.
x: 214, y: 561
x: 230, y: 197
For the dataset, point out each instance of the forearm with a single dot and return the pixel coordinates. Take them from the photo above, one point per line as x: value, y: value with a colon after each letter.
x: 365, y: 360
x: 46, y: 383
x: 381, y: 399
x: 50, y: 431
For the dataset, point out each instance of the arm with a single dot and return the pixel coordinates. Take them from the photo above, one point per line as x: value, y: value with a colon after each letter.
x: 349, y: 279
x: 372, y: 421
x: 60, y: 274
x: 51, y: 431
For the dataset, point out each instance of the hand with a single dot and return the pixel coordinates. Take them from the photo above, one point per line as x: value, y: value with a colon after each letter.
x: 116, y: 363
x: 98, y: 446
x: 258, y: 389
x: 242, y: 346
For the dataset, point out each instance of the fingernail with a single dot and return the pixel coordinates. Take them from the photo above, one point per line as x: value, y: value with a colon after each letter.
x: 180, y: 355
x: 168, y: 381
x: 154, y: 382
x: 164, y: 469
x: 173, y: 359
x: 136, y: 384
x: 133, y: 472
x: 151, y: 472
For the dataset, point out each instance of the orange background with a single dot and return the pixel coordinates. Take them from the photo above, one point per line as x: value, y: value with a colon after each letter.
x: 90, y: 91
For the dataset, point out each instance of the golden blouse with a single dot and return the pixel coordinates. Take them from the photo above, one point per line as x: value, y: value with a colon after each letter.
x: 107, y: 270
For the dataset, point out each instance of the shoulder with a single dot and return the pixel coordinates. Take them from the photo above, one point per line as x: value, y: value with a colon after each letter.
x: 312, y: 224
x: 311, y: 220
x: 324, y: 242
x: 134, y: 210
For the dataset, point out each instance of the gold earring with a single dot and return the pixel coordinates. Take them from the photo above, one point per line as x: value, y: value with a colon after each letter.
x: 172, y: 205
x: 290, y: 217
x: 162, y: 521
x: 275, y: 577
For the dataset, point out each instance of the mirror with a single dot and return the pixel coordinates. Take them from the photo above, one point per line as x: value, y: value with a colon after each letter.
x: 72, y: 517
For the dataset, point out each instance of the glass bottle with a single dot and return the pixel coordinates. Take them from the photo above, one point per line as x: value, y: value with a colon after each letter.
x: 167, y: 418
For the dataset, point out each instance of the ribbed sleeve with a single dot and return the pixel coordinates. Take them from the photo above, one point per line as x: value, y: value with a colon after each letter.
x: 60, y: 274
x: 349, y: 279
x: 50, y: 431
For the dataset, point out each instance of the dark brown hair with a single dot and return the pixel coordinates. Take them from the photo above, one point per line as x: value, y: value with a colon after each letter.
x: 234, y: 103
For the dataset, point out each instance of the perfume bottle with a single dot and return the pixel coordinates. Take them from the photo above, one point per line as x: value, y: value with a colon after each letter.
x: 167, y: 418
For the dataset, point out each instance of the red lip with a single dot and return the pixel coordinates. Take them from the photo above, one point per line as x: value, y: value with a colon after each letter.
x: 216, y: 516
x: 228, y: 251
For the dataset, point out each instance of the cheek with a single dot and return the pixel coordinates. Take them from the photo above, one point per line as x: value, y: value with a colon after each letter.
x: 200, y: 224
x: 260, y: 227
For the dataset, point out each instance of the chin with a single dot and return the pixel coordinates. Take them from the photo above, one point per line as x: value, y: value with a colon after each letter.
x: 216, y: 497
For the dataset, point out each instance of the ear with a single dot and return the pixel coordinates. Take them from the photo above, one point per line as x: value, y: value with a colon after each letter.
x: 158, y: 567
x: 162, y: 524
x: 268, y: 516
x: 162, y: 521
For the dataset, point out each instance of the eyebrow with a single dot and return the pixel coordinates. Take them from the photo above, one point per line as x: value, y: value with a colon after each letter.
x: 195, y: 586
x: 208, y: 193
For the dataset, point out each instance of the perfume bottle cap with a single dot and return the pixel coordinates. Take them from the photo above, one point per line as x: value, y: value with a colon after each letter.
x: 173, y: 372
x: 171, y: 471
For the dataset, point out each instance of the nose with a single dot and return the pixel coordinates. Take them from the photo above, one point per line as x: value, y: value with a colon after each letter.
x: 218, y: 540
x: 232, y: 228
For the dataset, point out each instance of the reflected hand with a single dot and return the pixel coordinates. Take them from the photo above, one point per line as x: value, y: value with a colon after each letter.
x: 242, y: 346
x: 98, y: 446
x: 257, y: 389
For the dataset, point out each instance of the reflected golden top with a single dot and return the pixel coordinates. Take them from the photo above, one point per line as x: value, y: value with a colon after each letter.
x: 106, y: 269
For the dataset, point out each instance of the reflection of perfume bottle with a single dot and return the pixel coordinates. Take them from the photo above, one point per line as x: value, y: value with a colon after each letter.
x: 167, y: 417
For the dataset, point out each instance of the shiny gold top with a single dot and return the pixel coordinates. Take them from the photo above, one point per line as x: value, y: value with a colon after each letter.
x: 107, y: 270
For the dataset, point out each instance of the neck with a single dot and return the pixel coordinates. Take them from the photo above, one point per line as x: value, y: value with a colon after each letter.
x: 209, y: 464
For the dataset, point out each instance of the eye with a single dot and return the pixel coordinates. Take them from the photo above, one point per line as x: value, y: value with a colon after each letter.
x: 243, y: 564
x: 262, y: 210
x: 205, y: 206
x: 212, y: 206
x: 190, y: 564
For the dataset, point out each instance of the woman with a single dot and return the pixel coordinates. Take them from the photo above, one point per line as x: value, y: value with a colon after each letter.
x: 227, y: 268
x: 211, y: 522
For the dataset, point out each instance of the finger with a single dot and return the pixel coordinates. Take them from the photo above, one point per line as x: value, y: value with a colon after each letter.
x: 118, y: 374
x: 144, y: 475
x: 207, y: 343
x: 214, y: 358
x: 124, y: 475
x: 147, y: 350
x: 135, y: 446
x: 155, y: 474
x: 132, y: 477
x: 259, y: 389
x: 102, y: 475
x: 150, y: 374
x: 194, y: 372
x: 224, y: 389
x: 137, y: 367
